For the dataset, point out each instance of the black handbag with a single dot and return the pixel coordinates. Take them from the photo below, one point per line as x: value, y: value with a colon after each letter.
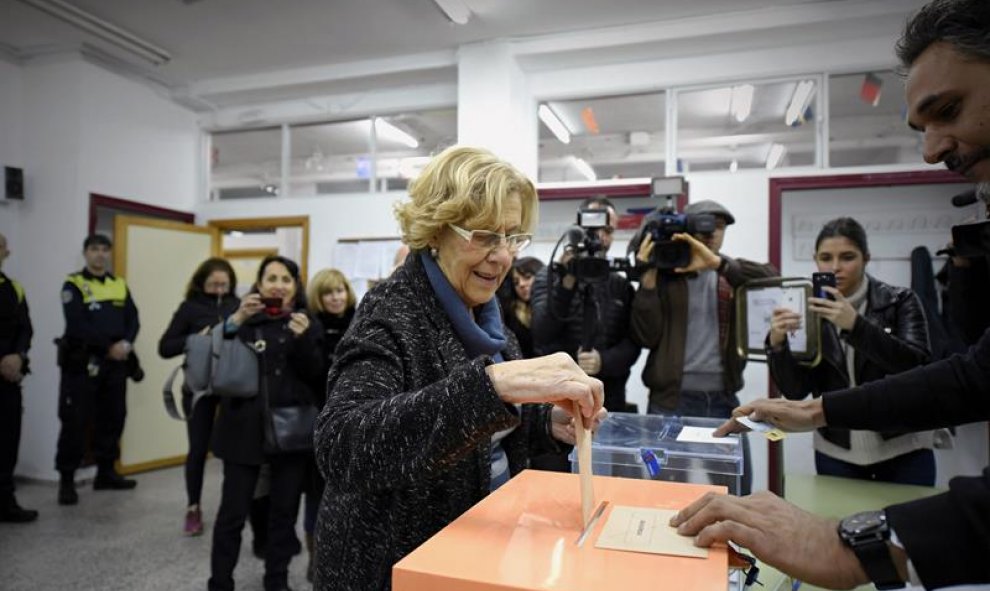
x: 287, y: 428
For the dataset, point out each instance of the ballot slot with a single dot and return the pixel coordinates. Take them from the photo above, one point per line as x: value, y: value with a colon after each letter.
x: 651, y: 447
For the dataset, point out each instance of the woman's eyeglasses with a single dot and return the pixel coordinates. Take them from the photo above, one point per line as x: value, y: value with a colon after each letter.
x: 486, y: 240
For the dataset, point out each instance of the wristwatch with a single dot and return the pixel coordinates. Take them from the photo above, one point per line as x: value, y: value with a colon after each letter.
x: 867, y: 534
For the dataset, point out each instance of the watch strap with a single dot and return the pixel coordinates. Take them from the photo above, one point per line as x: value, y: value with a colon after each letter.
x: 875, y: 558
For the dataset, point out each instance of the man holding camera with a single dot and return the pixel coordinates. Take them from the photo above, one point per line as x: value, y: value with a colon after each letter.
x: 558, y: 315
x: 685, y: 316
x: 101, y: 323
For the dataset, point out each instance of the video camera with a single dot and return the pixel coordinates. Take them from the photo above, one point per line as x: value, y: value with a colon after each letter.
x: 589, y: 263
x: 661, y: 225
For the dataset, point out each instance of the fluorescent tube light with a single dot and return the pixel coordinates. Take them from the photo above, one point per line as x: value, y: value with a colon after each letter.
x: 554, y: 124
x: 391, y: 132
x: 103, y: 30
x: 585, y: 169
x: 741, y: 102
x: 775, y: 156
x: 456, y: 10
x: 799, y: 102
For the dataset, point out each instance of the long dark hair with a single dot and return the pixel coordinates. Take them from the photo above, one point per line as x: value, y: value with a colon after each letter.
x: 846, y: 228
x: 197, y: 283
x: 299, y: 302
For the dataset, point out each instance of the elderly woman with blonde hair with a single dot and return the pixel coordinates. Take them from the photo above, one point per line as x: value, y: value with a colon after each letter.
x: 429, y: 407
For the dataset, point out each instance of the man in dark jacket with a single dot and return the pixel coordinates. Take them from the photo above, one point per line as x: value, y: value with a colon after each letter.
x: 15, y: 340
x: 101, y: 323
x: 940, y: 540
x: 687, y: 321
x: 558, y: 319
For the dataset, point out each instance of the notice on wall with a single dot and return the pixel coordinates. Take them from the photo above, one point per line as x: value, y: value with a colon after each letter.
x: 760, y: 304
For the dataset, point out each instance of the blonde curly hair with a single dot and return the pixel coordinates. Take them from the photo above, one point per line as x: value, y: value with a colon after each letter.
x: 463, y: 186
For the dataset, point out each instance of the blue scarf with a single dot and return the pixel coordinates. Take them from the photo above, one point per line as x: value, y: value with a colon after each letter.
x: 481, y: 337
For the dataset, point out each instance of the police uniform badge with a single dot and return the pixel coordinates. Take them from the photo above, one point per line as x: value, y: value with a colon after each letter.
x: 66, y: 296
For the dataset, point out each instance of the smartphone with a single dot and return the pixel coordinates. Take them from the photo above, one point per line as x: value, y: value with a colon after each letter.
x: 273, y: 306
x: 820, y: 280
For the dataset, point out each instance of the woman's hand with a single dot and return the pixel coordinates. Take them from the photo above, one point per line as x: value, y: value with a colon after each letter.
x: 839, y: 311
x: 562, y: 424
x: 298, y: 323
x: 556, y: 379
x: 250, y: 305
x: 782, y: 322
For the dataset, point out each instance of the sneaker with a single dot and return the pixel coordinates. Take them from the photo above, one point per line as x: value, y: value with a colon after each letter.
x: 14, y: 513
x: 112, y: 481
x: 194, y: 522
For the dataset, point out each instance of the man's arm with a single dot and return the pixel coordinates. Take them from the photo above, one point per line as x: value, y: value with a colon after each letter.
x: 949, y: 392
x: 947, y: 536
x: 131, y: 322
x: 739, y: 271
x: 22, y: 341
x: 795, y: 542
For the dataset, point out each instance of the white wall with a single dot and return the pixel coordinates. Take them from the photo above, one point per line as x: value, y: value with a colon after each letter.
x: 84, y: 130
x: 331, y: 218
x: 11, y: 137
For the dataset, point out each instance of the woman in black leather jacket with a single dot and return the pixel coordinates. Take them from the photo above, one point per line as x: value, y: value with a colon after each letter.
x: 870, y: 330
x: 273, y: 320
x: 209, y: 300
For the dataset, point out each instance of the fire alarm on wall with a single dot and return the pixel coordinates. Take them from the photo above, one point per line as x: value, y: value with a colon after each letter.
x: 13, y: 183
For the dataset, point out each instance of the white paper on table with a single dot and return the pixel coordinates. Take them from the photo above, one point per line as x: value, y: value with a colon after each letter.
x: 690, y: 434
x: 642, y: 529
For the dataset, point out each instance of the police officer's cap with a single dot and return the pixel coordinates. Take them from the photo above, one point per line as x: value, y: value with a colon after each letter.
x: 97, y: 240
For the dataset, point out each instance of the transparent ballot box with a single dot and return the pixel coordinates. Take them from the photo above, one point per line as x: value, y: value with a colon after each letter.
x: 671, y: 448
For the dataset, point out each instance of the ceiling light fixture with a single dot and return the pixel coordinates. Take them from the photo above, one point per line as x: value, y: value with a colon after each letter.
x: 554, y: 124
x: 799, y: 102
x: 455, y: 10
x: 584, y: 168
x: 734, y: 165
x: 102, y: 30
x: 391, y: 132
x: 741, y: 103
x: 775, y: 156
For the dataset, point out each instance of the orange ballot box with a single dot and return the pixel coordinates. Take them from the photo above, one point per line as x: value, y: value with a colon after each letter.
x: 523, y: 536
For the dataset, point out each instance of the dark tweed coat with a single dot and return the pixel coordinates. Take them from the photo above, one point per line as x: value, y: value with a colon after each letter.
x: 405, y: 436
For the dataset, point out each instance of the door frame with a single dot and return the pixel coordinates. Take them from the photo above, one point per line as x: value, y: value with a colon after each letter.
x: 120, y: 270
x: 302, y: 222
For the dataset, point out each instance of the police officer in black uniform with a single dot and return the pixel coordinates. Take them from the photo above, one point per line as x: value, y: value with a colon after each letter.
x: 101, y: 323
x: 15, y: 340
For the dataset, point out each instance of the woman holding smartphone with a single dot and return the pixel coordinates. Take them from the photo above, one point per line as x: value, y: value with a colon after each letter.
x: 272, y: 318
x: 870, y: 329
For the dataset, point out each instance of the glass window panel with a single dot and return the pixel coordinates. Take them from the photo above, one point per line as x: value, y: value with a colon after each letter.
x: 398, y: 160
x: 329, y: 158
x: 745, y: 125
x: 246, y: 164
x: 867, y: 121
x: 610, y: 137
